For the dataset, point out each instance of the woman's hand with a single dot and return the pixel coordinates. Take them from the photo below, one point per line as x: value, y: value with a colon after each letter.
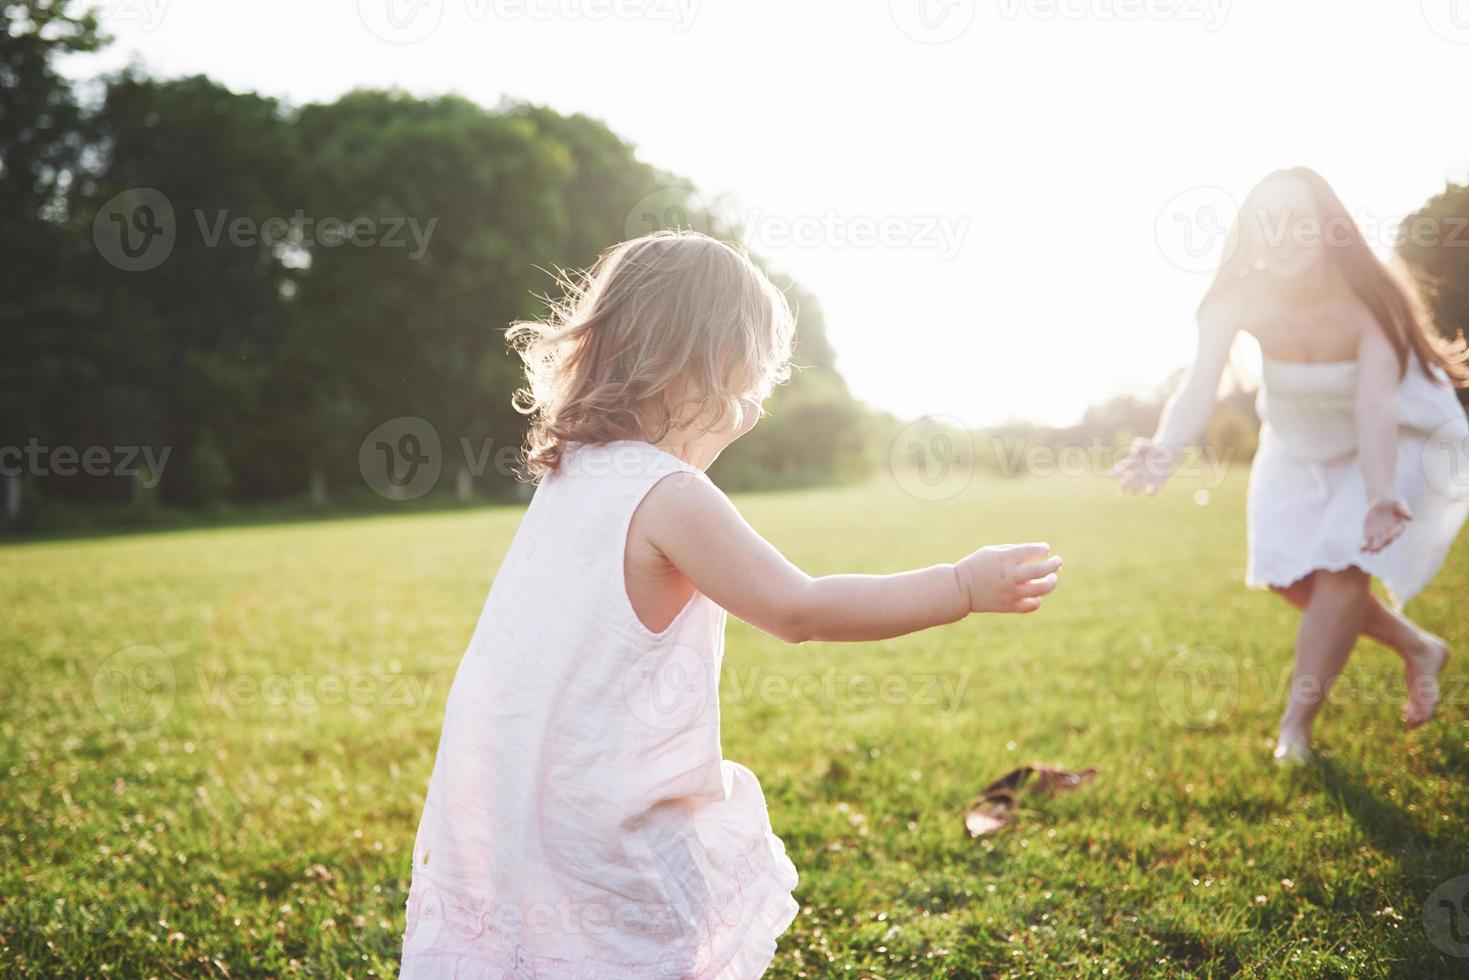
x: 1386, y: 518
x: 1144, y: 467
x: 1007, y: 577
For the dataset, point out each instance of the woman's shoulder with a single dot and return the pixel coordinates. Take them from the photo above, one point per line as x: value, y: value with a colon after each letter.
x: 1237, y: 310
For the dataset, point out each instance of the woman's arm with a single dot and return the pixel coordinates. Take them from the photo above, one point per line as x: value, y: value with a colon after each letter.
x: 1187, y: 410
x: 696, y: 528
x: 1190, y: 406
x: 1377, y: 438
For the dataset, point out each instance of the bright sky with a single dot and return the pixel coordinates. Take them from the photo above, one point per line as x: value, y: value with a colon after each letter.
x: 1006, y: 207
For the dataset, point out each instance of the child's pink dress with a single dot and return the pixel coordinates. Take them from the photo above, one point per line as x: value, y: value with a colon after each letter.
x: 581, y: 821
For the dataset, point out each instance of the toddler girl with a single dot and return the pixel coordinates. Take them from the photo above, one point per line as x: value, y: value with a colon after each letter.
x: 580, y: 820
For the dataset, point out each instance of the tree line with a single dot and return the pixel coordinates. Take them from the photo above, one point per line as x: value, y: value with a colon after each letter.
x: 212, y: 299
x: 249, y: 290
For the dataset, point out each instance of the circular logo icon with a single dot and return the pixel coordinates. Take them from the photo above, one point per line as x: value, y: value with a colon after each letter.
x: 933, y: 457
x: 134, y: 688
x: 1198, y: 687
x: 1192, y: 229
x: 728, y: 897
x: 670, y: 208
x: 671, y: 966
x: 1449, y: 19
x: 135, y: 230
x: 401, y: 21
x: 1446, y: 916
x: 1446, y: 459
x: 670, y: 687
x: 932, y: 21
x: 401, y: 459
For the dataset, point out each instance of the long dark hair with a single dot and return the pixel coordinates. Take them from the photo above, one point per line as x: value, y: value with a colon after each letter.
x: 1390, y: 297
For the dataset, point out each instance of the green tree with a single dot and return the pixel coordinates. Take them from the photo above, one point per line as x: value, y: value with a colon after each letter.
x: 182, y: 349
x: 255, y: 288
x: 41, y: 146
x: 418, y: 330
x: 1434, y: 242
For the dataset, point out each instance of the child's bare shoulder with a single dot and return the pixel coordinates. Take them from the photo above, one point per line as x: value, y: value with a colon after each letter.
x: 681, y: 499
x: 680, y: 506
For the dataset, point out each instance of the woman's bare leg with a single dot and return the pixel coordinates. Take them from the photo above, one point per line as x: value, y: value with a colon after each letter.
x: 1382, y: 623
x: 1333, y: 618
x: 1424, y: 654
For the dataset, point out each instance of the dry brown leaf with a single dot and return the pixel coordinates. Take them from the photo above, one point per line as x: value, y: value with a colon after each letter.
x: 996, y: 804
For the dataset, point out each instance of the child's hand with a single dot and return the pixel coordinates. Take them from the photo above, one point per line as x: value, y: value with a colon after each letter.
x: 1144, y: 467
x: 1386, y: 518
x: 1008, y: 577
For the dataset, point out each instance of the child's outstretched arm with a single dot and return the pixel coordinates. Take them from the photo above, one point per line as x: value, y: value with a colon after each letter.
x: 696, y: 528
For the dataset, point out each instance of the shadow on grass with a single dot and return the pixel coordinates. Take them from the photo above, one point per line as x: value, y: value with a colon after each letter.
x: 1425, y: 855
x: 1454, y: 758
x: 1393, y: 830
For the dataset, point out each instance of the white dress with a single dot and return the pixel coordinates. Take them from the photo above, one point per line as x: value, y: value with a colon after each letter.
x: 581, y: 821
x: 1308, y: 498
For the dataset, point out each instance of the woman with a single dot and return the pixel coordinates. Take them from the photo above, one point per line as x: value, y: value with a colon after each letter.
x: 1343, y: 486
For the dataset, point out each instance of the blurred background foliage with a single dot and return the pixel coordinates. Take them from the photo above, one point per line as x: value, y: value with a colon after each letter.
x: 262, y: 366
x: 1439, y: 260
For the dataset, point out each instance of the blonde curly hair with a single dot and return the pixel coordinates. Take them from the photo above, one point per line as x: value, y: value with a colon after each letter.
x: 668, y: 331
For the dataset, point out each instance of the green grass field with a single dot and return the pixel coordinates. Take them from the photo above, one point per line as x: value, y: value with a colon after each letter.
x: 217, y: 741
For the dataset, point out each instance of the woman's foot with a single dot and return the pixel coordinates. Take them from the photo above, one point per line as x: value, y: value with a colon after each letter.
x: 1421, y: 667
x: 1293, y: 749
